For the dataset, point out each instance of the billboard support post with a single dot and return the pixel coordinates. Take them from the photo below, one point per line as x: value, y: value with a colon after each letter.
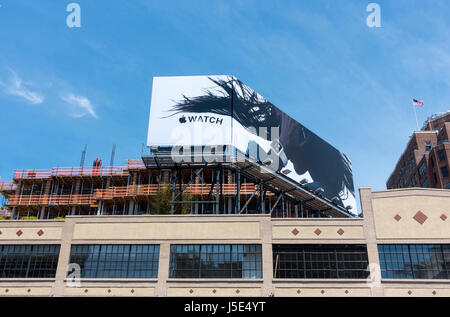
x: 261, y: 198
x: 174, y: 184
x: 217, y: 211
x: 238, y: 191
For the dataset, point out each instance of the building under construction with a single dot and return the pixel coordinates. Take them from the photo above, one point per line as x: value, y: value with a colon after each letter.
x: 142, y: 186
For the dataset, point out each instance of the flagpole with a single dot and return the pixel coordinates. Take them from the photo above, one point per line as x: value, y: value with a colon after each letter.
x: 415, y: 115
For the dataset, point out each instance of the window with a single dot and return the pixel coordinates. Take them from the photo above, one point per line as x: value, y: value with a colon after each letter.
x: 116, y: 261
x: 441, y: 155
x: 427, y: 146
x: 415, y: 261
x: 215, y: 261
x: 444, y: 171
x: 32, y: 261
x: 320, y: 261
x: 425, y: 183
x: 422, y: 169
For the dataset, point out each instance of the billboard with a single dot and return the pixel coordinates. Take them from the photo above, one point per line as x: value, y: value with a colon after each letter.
x: 221, y: 110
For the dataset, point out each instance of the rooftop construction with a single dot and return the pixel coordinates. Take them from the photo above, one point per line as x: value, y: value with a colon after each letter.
x: 217, y: 147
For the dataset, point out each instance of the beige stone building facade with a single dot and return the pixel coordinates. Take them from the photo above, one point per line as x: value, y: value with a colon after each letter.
x: 405, y: 217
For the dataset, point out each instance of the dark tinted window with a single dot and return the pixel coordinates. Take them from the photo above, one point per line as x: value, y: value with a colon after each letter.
x: 215, y: 261
x: 320, y: 261
x: 116, y: 261
x: 441, y: 155
x: 414, y: 261
x: 444, y: 171
x: 36, y: 261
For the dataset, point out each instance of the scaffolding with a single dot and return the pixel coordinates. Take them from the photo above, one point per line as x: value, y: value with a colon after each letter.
x: 201, y: 186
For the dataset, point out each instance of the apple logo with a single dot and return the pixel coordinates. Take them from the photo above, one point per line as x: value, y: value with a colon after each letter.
x: 182, y: 119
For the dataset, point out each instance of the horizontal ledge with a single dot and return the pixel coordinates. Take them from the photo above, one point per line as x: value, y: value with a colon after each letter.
x: 214, y: 280
x: 414, y: 281
x: 26, y: 279
x: 358, y: 219
x: 318, y: 280
x: 113, y: 280
x: 167, y: 216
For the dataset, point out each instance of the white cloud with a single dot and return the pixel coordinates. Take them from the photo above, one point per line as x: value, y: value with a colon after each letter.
x: 82, y: 105
x: 17, y: 87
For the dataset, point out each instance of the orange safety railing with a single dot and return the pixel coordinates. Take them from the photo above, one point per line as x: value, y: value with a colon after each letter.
x: 135, y: 164
x: 72, y: 171
x: 7, y: 186
x: 18, y: 174
x: 30, y: 200
x: 152, y: 189
x: 94, y: 171
x: 117, y: 192
x: 127, y: 191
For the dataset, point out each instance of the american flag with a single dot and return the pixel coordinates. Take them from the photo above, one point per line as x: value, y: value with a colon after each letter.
x: 418, y: 103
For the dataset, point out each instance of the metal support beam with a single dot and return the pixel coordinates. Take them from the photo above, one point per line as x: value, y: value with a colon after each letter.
x: 248, y: 201
x: 238, y: 191
x: 276, y: 203
x: 174, y: 186
x: 262, y: 195
x: 211, y: 188
x: 189, y: 183
x: 217, y: 189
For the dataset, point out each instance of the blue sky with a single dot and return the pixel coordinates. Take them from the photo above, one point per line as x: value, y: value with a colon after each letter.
x: 61, y: 87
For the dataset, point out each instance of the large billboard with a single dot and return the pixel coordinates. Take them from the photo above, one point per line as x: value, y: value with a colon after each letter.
x: 221, y: 110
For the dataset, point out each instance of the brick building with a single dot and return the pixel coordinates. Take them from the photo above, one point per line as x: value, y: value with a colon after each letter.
x: 425, y: 162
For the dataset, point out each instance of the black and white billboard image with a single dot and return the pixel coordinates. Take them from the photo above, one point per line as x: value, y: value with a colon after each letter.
x: 221, y: 110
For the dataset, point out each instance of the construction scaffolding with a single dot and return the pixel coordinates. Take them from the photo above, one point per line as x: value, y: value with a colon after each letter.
x: 204, y: 187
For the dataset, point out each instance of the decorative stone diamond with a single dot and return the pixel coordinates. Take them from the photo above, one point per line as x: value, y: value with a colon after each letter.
x: 238, y: 291
x: 322, y: 291
x: 0, y: 233
x: 295, y: 232
x: 420, y: 217
x: 340, y: 231
x: 191, y: 291
x: 214, y: 291
x: 443, y: 217
x: 409, y: 292
x: 318, y: 231
x: 6, y: 290
x: 397, y: 217
x: 40, y: 232
x: 109, y: 291
x: 433, y: 292
x: 28, y: 290
x: 86, y: 290
x: 132, y: 291
x: 346, y: 291
x: 299, y: 291
x: 19, y: 233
